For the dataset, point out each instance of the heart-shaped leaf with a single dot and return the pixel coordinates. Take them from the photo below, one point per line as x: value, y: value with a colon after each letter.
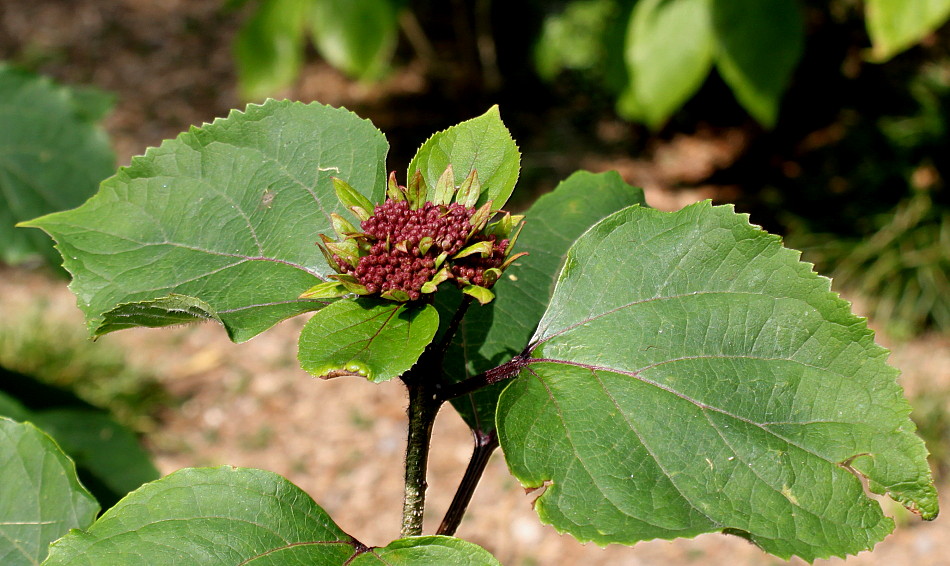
x: 691, y: 375
x: 226, y: 516
x: 52, y: 155
x: 219, y: 222
x: 481, y: 144
x: 758, y: 45
x: 41, y: 498
x: 492, y: 334
x: 376, y: 339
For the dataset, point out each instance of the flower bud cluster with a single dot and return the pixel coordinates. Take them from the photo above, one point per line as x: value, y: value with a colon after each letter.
x: 407, y: 246
x: 405, y: 266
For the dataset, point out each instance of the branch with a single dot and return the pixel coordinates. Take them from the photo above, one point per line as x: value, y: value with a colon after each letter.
x: 423, y: 382
x: 485, y: 444
x: 423, y: 407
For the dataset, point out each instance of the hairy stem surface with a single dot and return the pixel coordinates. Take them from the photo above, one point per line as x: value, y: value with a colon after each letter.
x: 505, y: 371
x: 423, y: 407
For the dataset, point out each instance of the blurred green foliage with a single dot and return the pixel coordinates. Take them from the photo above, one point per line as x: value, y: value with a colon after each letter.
x: 872, y: 207
x: 53, y: 154
x: 59, y: 354
x: 932, y: 417
x: 109, y: 459
x: 356, y: 36
x: 653, y: 54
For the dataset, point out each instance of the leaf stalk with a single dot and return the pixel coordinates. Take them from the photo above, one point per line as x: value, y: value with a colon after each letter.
x: 505, y: 371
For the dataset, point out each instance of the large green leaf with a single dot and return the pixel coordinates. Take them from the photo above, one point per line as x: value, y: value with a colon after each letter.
x: 52, y: 155
x: 492, y: 334
x: 226, y: 516
x: 268, y: 49
x: 41, y: 497
x: 219, y: 223
x: 376, y: 339
x: 669, y: 53
x: 482, y: 144
x: 356, y: 36
x: 691, y: 375
x: 758, y: 45
x: 895, y: 25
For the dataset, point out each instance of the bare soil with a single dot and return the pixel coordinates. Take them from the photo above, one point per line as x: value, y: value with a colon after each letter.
x: 342, y: 440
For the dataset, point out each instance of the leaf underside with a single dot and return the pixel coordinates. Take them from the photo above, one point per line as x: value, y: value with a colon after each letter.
x: 691, y: 375
x: 219, y: 223
x: 491, y: 335
x: 41, y: 497
x: 375, y: 339
x: 226, y: 516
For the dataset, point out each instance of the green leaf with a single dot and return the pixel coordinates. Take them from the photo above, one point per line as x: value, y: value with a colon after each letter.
x: 53, y: 154
x: 573, y: 38
x: 427, y: 551
x: 225, y: 516
x: 166, y: 311
x: 220, y: 222
x: 759, y: 43
x: 268, y: 49
x: 107, y: 450
x: 492, y: 334
x: 41, y: 498
x: 109, y: 460
x: 206, y: 516
x: 376, y: 339
x: 895, y: 25
x: 481, y: 144
x: 356, y: 36
x: 691, y: 375
x: 669, y: 53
